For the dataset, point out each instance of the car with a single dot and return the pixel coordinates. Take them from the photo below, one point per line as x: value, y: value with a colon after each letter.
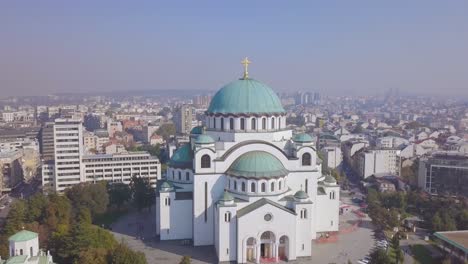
x: 364, y: 260
x: 361, y: 262
x: 2, y: 207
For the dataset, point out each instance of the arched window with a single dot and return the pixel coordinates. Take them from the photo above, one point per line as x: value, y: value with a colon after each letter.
x: 279, y: 185
x: 227, y: 217
x: 306, y: 189
x: 187, y: 176
x: 214, y: 122
x: 252, y: 187
x: 306, y: 159
x: 303, y: 213
x: 243, y: 186
x: 264, y: 123
x: 222, y: 123
x: 235, y: 185
x: 205, y: 161
x: 253, y: 124
x: 231, y: 123
x: 31, y: 252
x: 273, y: 123
x: 332, y: 195
x: 229, y: 184
x: 242, y: 124
x: 21, y: 252
x: 263, y: 187
x: 180, y: 176
x: 279, y: 122
x: 272, y: 187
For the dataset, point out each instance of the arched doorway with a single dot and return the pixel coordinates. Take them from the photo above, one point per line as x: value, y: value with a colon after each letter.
x: 251, y: 244
x: 267, y: 246
x: 283, y: 248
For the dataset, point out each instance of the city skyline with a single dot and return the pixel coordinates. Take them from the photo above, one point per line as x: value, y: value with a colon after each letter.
x: 357, y: 49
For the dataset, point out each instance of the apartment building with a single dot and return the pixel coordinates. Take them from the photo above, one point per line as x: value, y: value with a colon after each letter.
x: 71, y: 166
x: 377, y: 162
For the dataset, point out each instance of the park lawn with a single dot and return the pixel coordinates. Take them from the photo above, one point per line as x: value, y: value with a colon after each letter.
x: 422, y: 254
x: 107, y: 219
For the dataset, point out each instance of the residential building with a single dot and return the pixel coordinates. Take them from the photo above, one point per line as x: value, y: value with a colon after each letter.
x: 332, y: 157
x: 11, y: 170
x: 183, y: 119
x: 377, y: 162
x: 444, y: 173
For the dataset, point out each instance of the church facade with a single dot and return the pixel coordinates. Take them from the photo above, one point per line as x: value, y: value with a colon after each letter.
x: 245, y: 184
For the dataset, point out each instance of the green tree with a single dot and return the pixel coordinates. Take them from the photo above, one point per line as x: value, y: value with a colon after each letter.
x: 91, y: 196
x: 36, y: 207
x: 124, y: 255
x: 166, y: 130
x: 16, y: 218
x: 93, y: 255
x: 143, y: 193
x: 119, y: 193
x: 185, y: 260
x: 379, y: 257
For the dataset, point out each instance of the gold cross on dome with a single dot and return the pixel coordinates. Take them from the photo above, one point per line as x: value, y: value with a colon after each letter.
x: 246, y: 63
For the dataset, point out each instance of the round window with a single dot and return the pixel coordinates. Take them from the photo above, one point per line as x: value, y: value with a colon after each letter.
x: 268, y: 217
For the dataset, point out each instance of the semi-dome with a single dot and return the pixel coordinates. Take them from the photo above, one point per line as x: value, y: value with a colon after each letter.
x: 182, y: 158
x: 166, y: 187
x: 301, y: 195
x: 245, y: 96
x: 330, y: 179
x: 257, y: 164
x: 197, y: 130
x: 303, y: 138
x: 204, y: 139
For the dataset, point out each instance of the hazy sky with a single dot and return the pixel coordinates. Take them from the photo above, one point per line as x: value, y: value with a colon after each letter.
x: 332, y: 46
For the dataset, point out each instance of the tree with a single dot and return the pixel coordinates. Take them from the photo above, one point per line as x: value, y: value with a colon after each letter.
x: 16, y: 218
x: 166, y: 130
x: 36, y: 205
x: 93, y: 255
x: 124, y: 255
x: 91, y: 196
x: 143, y: 193
x: 185, y: 260
x: 379, y: 256
x: 119, y: 193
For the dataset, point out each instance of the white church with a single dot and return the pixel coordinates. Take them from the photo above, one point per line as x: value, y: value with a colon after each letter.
x: 245, y: 183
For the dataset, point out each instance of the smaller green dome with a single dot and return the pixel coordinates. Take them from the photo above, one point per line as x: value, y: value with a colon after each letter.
x: 182, y: 158
x: 301, y: 195
x: 257, y: 164
x: 166, y: 187
x: 204, y: 139
x: 303, y: 138
x: 198, y: 130
x: 226, y: 197
x: 23, y: 235
x: 330, y: 179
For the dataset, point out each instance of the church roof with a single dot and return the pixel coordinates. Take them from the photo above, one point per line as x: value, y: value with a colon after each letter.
x: 255, y: 205
x: 23, y: 235
x: 301, y: 195
x: 329, y: 179
x: 182, y: 158
x: 303, y: 137
x: 204, y: 139
x: 197, y: 130
x: 257, y: 164
x: 246, y: 96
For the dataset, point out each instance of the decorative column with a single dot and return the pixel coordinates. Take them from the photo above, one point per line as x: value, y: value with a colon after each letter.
x: 276, y: 251
x: 257, y: 253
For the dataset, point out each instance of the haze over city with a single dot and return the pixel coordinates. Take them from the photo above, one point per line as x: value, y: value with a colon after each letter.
x: 335, y: 47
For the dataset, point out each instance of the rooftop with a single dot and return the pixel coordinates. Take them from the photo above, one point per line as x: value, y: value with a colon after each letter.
x: 458, y: 239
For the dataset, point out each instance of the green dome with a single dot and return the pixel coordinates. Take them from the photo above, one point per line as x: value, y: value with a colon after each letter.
x: 301, y: 195
x: 204, y: 139
x: 197, y: 130
x: 245, y: 96
x: 329, y: 179
x: 226, y: 197
x: 182, y: 158
x: 303, y: 137
x: 257, y: 164
x: 166, y: 187
x: 23, y: 235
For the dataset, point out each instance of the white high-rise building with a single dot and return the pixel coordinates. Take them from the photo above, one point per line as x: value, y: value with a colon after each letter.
x: 68, y: 145
x: 70, y: 166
